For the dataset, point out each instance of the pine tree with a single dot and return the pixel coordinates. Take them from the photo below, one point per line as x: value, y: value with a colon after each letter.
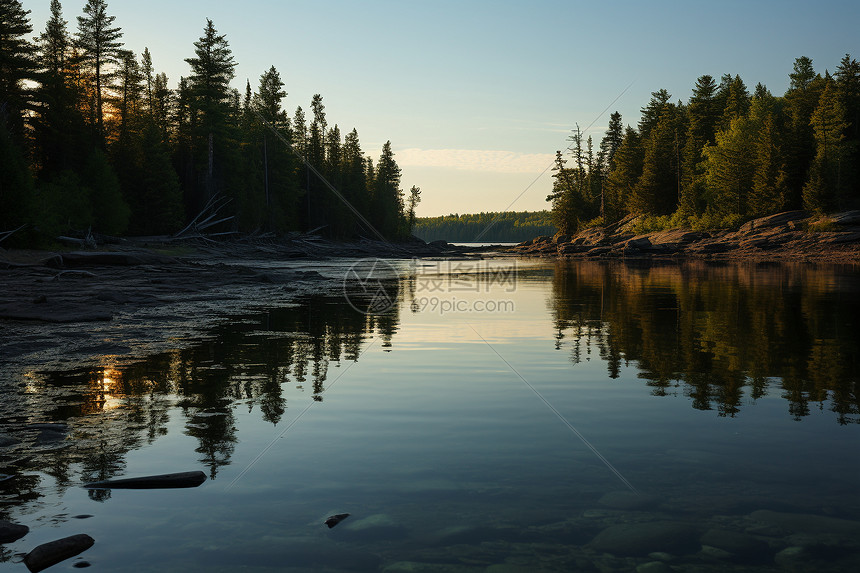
x: 387, y: 195
x: 730, y: 165
x: 100, y: 53
x: 737, y: 102
x: 703, y: 116
x: 769, y: 193
x: 825, y: 188
x: 623, y: 178
x: 16, y: 66
x: 658, y: 189
x: 58, y: 126
x: 848, y: 91
x: 210, y: 107
x: 653, y: 111
x: 267, y: 100
x: 612, y: 141
x: 801, y: 98
x: 563, y: 197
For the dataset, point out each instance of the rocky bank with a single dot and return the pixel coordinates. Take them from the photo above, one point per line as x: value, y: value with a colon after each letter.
x: 793, y: 235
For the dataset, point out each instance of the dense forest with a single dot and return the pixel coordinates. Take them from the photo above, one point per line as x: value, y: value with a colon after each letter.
x: 509, y: 227
x: 92, y: 137
x: 723, y: 157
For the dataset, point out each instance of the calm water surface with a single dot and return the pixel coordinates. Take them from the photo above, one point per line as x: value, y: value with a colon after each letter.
x: 498, y: 418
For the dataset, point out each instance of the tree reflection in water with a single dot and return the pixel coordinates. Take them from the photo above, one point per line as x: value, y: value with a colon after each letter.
x: 718, y: 333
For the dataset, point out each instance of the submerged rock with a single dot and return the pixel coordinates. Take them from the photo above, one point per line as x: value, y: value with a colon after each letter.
x: 738, y: 545
x: 10, y: 532
x: 628, y: 500
x: 164, y: 481
x: 49, y: 554
x: 807, y: 523
x: 637, y: 539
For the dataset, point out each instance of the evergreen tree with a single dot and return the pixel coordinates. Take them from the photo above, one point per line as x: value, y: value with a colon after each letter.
x: 387, y: 195
x: 848, y: 91
x: 801, y: 99
x: 161, y: 108
x: 59, y: 131
x: 612, y: 140
x: 737, y: 102
x: 16, y: 66
x: 354, y: 180
x: 730, y: 165
x: 658, y: 189
x: 653, y: 111
x: 623, y: 178
x: 769, y: 192
x: 210, y: 107
x: 563, y: 197
x: 825, y: 188
x: 267, y: 100
x: 100, y: 52
x: 412, y: 203
x: 703, y: 116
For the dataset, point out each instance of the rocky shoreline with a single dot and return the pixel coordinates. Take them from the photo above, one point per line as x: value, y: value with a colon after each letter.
x: 136, y: 297
x: 793, y: 235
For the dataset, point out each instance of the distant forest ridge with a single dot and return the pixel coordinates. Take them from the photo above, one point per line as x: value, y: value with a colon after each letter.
x: 509, y: 227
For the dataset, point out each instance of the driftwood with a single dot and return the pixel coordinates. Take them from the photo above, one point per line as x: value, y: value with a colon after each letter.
x: 164, y: 481
x: 335, y: 519
x: 6, y: 234
x: 49, y: 554
x: 207, y: 218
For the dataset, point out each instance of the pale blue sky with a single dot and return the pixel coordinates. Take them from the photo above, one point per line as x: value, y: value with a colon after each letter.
x: 476, y: 96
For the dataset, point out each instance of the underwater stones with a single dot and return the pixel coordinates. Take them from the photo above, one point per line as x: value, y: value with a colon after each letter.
x: 792, y: 557
x: 637, y: 539
x: 654, y: 567
x: 10, y: 532
x: 49, y: 554
x: 806, y: 523
x: 373, y: 527
x: 628, y: 500
x: 737, y: 545
x: 418, y: 567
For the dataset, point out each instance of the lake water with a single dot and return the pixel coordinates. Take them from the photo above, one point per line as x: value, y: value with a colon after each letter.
x: 501, y: 416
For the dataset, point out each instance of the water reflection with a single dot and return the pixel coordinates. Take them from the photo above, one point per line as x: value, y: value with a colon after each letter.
x: 721, y: 335
x: 80, y: 426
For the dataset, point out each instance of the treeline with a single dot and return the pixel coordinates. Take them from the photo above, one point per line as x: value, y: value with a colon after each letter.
x: 92, y: 137
x: 723, y: 157
x: 508, y: 227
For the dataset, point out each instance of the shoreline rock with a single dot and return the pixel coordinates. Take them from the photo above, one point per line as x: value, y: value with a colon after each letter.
x: 783, y: 236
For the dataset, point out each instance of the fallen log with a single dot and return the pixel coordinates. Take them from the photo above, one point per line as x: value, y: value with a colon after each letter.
x: 49, y: 554
x: 163, y: 481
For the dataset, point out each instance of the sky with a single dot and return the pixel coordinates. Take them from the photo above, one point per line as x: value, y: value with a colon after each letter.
x: 476, y: 96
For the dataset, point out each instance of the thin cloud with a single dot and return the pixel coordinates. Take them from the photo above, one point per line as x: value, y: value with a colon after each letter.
x: 475, y: 160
